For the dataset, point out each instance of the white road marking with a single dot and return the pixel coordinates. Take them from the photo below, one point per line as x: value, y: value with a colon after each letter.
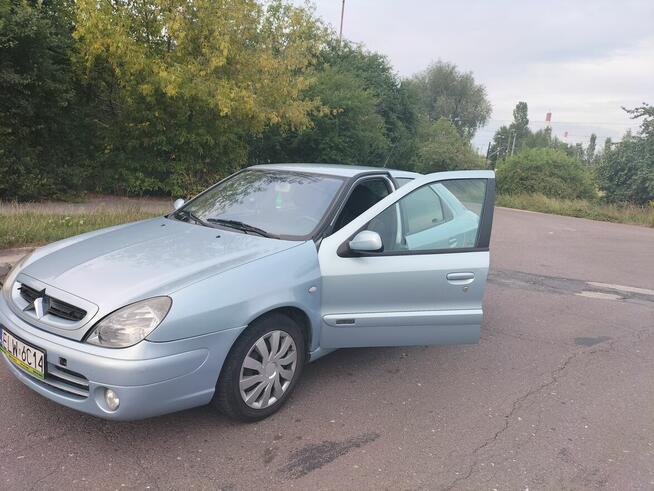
x: 599, y: 295
x: 622, y: 288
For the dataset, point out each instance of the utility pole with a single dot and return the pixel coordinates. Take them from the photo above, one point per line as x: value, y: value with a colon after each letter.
x: 513, y: 147
x: 340, y: 34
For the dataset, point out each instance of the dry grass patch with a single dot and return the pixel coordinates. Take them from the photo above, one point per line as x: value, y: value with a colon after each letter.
x: 33, y: 228
x: 639, y: 215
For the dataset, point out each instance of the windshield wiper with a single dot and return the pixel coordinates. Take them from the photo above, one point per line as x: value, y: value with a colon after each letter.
x: 190, y: 215
x: 244, y: 227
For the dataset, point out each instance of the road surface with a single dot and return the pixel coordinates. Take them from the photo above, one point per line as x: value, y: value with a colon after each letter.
x: 559, y: 394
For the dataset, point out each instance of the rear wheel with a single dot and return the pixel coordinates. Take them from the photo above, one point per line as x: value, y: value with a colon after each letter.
x: 262, y: 369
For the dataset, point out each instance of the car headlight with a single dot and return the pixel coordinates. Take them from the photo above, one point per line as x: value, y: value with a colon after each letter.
x: 131, y: 324
x: 11, y: 276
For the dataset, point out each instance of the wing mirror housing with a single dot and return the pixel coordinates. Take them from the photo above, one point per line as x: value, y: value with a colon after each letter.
x: 179, y: 202
x: 366, y: 241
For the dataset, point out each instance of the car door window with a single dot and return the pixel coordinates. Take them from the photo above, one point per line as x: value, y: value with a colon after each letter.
x: 437, y: 216
x: 363, y: 196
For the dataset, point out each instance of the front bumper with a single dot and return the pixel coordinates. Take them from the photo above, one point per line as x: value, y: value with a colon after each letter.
x: 150, y: 378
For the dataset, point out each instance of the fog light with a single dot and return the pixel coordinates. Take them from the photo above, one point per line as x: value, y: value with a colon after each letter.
x: 111, y: 398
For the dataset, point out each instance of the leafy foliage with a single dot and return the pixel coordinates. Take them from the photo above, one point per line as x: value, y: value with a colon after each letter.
x: 545, y: 171
x: 440, y: 147
x: 626, y: 170
x: 167, y: 96
x: 442, y: 91
x: 353, y: 86
x: 183, y: 83
x: 41, y: 106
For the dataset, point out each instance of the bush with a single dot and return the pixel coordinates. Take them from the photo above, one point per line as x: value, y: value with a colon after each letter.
x: 626, y: 170
x: 545, y: 171
x: 440, y: 147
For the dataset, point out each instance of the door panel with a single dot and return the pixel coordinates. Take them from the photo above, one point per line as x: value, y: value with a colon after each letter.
x: 409, y: 294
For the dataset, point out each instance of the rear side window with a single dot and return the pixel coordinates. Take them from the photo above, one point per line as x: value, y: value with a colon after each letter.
x: 423, y: 209
x: 437, y: 216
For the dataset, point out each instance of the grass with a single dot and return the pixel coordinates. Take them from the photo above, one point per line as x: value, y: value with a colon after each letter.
x: 639, y: 215
x: 30, y: 228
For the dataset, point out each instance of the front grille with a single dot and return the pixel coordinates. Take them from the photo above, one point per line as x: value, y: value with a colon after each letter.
x: 56, y: 307
x: 66, y: 311
x: 29, y: 294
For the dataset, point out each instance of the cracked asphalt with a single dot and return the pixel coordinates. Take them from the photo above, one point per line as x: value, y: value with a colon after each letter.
x: 559, y: 394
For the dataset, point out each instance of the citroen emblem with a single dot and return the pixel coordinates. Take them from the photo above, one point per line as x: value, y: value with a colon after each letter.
x: 40, y: 305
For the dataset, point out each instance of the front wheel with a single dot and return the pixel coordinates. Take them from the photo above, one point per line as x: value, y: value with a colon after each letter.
x: 262, y: 369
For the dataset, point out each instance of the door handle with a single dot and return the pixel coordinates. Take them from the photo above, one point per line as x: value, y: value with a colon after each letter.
x: 462, y: 278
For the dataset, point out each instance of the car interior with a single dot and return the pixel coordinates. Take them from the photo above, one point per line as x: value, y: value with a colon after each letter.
x: 363, y: 196
x: 366, y: 194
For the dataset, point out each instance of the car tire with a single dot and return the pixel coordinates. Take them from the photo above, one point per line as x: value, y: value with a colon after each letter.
x: 236, y: 394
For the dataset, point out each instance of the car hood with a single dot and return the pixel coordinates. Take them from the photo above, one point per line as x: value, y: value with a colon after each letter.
x: 154, y: 257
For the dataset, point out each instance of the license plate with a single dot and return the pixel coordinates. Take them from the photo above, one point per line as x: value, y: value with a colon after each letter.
x: 26, y: 356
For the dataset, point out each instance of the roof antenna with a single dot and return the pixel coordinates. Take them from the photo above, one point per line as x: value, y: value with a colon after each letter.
x: 389, y: 156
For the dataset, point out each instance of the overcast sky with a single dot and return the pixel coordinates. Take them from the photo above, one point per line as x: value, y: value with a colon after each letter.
x: 581, y: 60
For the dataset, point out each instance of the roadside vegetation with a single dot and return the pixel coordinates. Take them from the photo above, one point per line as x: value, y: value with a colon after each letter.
x: 28, y: 228
x: 580, y: 208
x: 163, y: 98
x: 154, y: 97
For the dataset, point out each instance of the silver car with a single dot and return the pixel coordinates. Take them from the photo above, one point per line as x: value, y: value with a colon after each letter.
x: 225, y: 299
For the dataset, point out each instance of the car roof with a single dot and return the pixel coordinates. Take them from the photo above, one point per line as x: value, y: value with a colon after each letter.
x: 341, y: 170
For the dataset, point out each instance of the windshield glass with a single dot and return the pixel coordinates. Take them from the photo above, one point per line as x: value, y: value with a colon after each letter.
x: 281, y: 203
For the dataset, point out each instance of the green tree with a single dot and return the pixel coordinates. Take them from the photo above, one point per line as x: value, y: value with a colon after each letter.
x: 546, y: 171
x: 351, y: 131
x: 368, y: 117
x: 520, y: 125
x: 391, y: 98
x: 44, y: 140
x: 442, y: 91
x: 184, y: 83
x: 440, y: 147
x: 507, y: 139
x: 626, y: 169
x: 500, y: 146
x: 517, y: 136
x: 590, y: 150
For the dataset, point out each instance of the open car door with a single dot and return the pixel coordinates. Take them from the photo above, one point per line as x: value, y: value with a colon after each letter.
x: 412, y: 269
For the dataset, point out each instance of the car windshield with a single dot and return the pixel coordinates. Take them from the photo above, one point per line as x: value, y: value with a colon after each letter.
x: 266, y: 202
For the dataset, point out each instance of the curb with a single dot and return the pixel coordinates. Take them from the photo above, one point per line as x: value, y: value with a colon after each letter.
x: 9, y: 257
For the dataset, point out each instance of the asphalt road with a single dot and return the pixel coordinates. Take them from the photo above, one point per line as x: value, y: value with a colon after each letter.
x: 559, y: 394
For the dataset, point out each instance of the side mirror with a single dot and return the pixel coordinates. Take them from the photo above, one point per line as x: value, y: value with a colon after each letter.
x: 366, y: 241
x: 179, y: 202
